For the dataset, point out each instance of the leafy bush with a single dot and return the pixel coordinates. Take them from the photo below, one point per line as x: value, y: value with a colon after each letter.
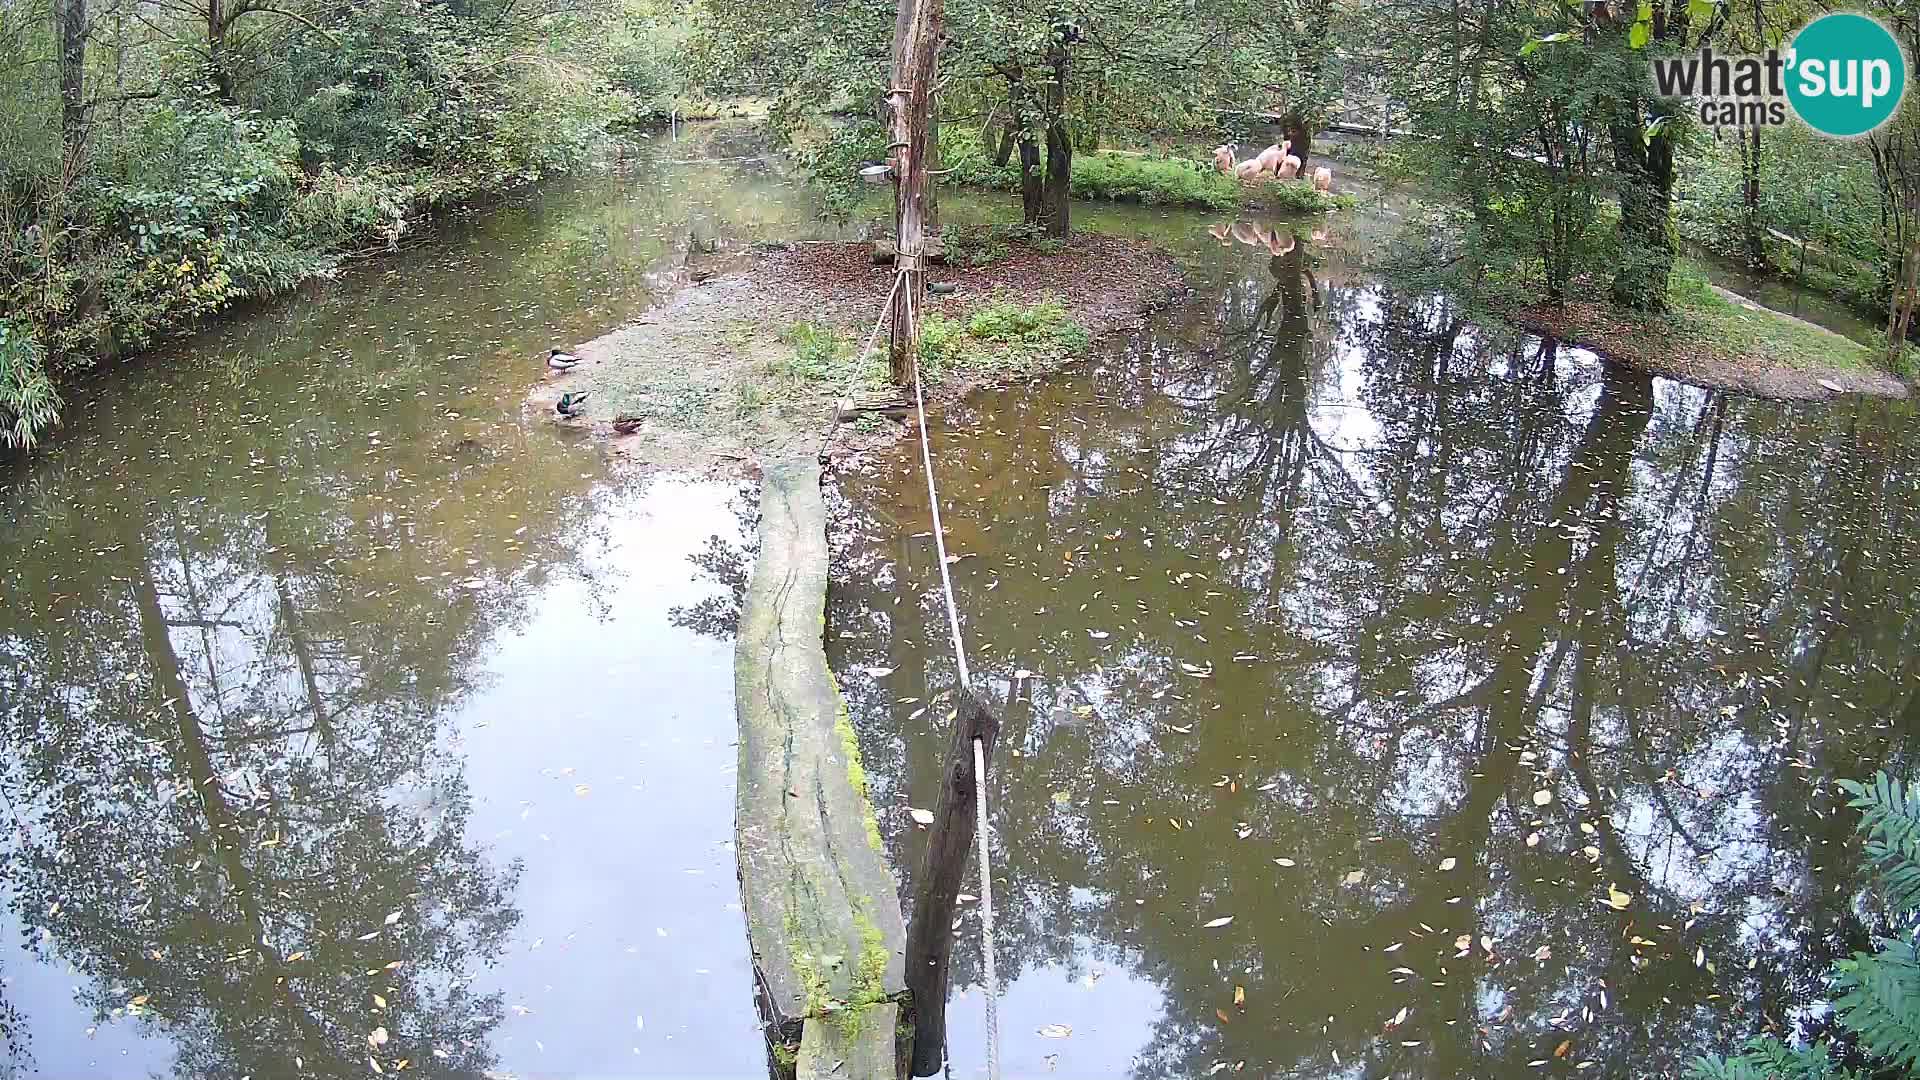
x: 1002, y: 338
x: 1298, y: 197
x: 328, y: 132
x: 1807, y: 190
x: 1878, y: 993
x: 28, y: 403
x: 818, y: 351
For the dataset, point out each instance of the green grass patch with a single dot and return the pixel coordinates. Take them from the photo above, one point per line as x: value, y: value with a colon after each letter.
x: 1758, y: 332
x: 1119, y: 177
x: 1296, y: 197
x: 1705, y: 333
x: 1002, y: 340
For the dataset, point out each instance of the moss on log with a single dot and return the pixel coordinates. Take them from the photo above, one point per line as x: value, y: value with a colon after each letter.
x: 823, y: 911
x: 859, y: 1046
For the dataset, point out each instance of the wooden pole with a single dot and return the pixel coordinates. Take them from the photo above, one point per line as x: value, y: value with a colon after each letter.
x: 916, y: 70
x: 936, y: 891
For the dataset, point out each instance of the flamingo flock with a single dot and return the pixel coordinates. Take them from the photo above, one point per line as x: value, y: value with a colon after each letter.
x: 1274, y: 162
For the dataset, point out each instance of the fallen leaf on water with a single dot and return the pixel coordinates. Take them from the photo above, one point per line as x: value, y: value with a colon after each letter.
x: 379, y: 1037
x: 1449, y: 863
x: 924, y: 817
x: 1543, y: 953
x: 1463, y: 942
x: 1542, y: 797
x: 1286, y: 862
x: 1222, y: 1014
x: 1354, y: 877
x: 581, y: 789
x: 1561, y: 1050
x: 639, y: 1022
x: 1618, y: 900
x: 1240, y: 996
x: 879, y: 672
x: 1221, y: 921
x: 392, y: 917
x: 1055, y: 1031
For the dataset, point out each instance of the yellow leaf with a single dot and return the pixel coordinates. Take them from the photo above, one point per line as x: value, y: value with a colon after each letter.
x: 1618, y: 900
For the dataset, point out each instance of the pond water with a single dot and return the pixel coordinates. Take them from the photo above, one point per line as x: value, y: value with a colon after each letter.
x: 1385, y: 698
x: 348, y: 717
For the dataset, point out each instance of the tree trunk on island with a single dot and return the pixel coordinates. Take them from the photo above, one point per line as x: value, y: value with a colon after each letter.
x: 1055, y: 211
x: 1646, y: 212
x: 1300, y: 135
x: 1032, y: 198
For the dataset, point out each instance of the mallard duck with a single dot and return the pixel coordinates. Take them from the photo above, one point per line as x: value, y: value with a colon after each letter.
x: 561, y: 361
x: 569, y: 404
x: 625, y: 424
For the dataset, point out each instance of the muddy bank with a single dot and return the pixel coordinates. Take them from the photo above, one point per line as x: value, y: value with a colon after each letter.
x: 1793, y: 360
x: 717, y: 373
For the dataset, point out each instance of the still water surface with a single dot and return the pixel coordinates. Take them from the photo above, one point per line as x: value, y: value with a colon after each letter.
x: 1385, y: 699
x: 346, y: 716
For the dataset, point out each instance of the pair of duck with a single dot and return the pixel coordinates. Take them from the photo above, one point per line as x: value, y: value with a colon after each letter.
x: 572, y: 404
x: 559, y: 360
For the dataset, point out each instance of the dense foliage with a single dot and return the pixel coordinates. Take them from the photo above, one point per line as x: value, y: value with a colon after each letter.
x: 1035, y: 83
x: 160, y: 162
x: 1876, y: 994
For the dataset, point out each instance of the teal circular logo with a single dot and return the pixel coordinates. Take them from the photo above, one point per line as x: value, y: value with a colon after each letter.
x: 1846, y: 74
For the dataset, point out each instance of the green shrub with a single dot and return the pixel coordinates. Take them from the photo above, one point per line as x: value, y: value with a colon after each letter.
x: 1298, y: 197
x: 1808, y: 189
x: 819, y: 352
x: 1002, y: 339
x: 28, y: 402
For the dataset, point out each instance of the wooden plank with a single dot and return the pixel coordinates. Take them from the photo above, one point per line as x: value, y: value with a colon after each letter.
x: 937, y: 887
x: 855, y: 1047
x: 823, y: 911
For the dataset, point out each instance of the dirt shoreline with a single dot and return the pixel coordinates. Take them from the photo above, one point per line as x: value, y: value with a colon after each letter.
x: 702, y: 373
x: 1592, y: 326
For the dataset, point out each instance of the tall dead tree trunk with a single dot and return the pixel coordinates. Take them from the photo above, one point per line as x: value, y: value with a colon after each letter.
x: 915, y: 47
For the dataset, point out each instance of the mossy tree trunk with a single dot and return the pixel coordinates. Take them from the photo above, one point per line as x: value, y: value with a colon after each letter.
x: 1644, y: 154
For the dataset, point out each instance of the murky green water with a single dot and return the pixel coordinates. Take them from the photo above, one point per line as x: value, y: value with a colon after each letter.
x: 1354, y: 663
x: 349, y: 716
x: 340, y: 702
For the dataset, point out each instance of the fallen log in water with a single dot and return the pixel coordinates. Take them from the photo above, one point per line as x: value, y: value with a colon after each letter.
x: 823, y: 910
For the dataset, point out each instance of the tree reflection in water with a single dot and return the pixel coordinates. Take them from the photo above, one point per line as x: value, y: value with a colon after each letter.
x: 1370, y: 579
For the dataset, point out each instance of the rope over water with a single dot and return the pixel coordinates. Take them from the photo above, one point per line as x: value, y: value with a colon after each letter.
x: 980, y: 826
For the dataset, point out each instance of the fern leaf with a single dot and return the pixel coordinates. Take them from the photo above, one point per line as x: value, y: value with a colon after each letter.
x: 1880, y: 1002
